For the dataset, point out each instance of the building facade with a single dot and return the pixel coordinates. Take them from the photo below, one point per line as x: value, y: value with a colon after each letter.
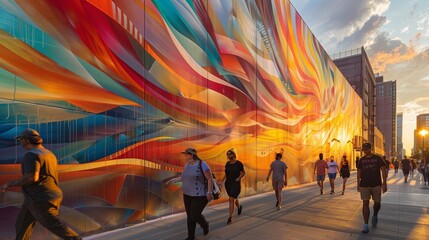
x: 379, y: 142
x: 422, y: 123
x: 399, y: 145
x: 386, y: 114
x: 356, y: 67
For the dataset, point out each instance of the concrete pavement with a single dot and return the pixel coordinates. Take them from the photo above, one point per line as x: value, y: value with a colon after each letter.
x: 305, y: 215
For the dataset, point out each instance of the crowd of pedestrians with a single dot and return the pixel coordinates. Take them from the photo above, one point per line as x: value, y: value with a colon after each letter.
x: 411, y: 168
x: 372, y: 173
x: 43, y: 196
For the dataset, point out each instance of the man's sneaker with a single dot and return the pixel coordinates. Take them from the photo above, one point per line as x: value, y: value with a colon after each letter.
x: 321, y: 192
x: 365, y: 228
x: 332, y: 192
x: 374, y: 221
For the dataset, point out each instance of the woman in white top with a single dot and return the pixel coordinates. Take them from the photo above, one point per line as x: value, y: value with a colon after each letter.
x: 197, y: 186
x: 332, y: 173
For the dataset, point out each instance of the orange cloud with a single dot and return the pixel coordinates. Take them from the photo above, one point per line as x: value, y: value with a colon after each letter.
x: 380, y: 60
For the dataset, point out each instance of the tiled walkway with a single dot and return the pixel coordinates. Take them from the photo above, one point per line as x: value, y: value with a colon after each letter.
x: 305, y: 215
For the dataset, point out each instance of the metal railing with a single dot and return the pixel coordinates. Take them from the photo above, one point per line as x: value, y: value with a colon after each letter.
x: 346, y: 53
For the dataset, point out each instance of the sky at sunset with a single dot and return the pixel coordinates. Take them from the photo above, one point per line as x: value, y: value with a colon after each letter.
x: 395, y: 34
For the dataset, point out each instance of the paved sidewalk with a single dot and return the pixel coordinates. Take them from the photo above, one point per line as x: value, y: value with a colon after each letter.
x: 305, y: 215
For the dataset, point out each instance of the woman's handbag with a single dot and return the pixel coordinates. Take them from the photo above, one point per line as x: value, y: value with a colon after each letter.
x: 216, y: 189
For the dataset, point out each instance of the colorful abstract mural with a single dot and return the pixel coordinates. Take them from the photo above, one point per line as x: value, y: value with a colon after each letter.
x: 118, y: 89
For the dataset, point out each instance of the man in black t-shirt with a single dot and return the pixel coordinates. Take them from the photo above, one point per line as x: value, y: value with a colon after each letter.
x: 39, y: 184
x: 371, y: 180
x: 406, y: 166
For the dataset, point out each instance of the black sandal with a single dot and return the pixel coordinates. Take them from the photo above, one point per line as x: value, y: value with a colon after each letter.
x: 206, y: 229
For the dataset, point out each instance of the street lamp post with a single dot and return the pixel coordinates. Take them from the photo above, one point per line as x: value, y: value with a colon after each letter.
x: 423, y: 133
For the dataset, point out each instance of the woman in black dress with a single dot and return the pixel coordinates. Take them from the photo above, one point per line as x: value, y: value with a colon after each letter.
x: 344, y: 172
x: 234, y: 171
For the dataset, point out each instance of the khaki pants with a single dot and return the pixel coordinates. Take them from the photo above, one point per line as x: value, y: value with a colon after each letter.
x: 367, y: 192
x: 46, y: 213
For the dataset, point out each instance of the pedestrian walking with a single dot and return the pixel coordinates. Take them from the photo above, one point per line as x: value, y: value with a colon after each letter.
x: 234, y: 172
x: 421, y: 169
x: 332, y: 173
x: 396, y: 165
x: 387, y: 165
x: 197, y: 192
x: 413, y: 167
x: 426, y: 170
x: 370, y: 183
x: 344, y: 172
x: 406, y: 167
x: 42, y: 195
x: 320, y: 166
x: 279, y: 179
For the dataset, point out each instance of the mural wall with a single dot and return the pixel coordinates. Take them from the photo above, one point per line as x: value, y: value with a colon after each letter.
x: 118, y: 89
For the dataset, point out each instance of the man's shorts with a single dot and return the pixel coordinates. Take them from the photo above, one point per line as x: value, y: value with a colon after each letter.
x: 277, y: 185
x: 332, y: 175
x: 367, y: 192
x: 321, y: 177
x: 406, y: 172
